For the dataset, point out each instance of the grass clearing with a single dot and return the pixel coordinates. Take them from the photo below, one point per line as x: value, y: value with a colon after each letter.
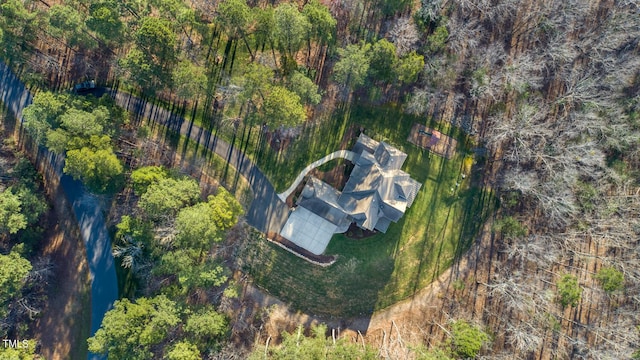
x: 375, y: 272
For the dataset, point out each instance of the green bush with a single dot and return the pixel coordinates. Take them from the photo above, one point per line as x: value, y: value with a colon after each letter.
x: 467, y: 339
x: 509, y: 227
x: 143, y: 177
x: 610, y: 279
x: 437, y: 41
x: 568, y: 290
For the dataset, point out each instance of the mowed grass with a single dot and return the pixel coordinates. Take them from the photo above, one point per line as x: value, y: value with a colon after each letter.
x: 375, y: 272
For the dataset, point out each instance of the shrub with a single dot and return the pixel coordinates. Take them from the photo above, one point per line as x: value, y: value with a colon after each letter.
x: 568, y: 290
x: 610, y: 279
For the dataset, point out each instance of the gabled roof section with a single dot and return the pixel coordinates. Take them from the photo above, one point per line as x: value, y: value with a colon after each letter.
x: 407, y: 189
x: 322, y: 199
x: 376, y: 194
x: 363, y: 178
x: 388, y: 157
x: 365, y: 143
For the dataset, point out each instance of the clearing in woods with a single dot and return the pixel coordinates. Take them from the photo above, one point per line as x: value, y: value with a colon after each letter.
x: 374, y: 272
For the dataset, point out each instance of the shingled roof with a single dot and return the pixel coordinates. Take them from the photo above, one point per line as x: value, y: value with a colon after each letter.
x: 376, y: 194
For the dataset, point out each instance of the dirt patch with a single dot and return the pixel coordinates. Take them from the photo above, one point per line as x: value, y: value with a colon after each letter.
x: 355, y: 232
x: 278, y: 140
x: 294, y: 195
x: 336, y: 177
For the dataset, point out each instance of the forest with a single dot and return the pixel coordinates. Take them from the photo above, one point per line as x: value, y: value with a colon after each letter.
x: 523, y: 244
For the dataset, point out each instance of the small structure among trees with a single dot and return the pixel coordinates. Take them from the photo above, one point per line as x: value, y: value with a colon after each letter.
x: 432, y: 140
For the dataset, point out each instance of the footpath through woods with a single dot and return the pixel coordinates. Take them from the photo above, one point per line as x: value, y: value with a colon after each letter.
x: 268, y: 213
x: 87, y: 210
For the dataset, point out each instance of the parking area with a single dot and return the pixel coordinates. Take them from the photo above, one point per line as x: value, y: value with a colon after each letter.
x: 308, y: 230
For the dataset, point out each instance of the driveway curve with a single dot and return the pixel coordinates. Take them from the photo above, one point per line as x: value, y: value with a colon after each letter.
x: 340, y: 154
x: 86, y: 208
x: 267, y: 213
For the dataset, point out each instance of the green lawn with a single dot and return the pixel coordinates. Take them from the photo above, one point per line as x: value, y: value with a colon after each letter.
x: 375, y: 272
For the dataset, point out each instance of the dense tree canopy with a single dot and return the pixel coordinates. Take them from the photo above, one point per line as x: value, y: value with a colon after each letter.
x: 130, y: 329
x: 189, y: 80
x: 296, y: 345
x: 207, y: 326
x: 568, y: 290
x: 13, y: 274
x: 467, y: 339
x: 19, y: 208
x: 196, y: 228
x: 151, y: 62
x: 83, y: 128
x: 169, y: 195
x: 143, y: 177
x: 23, y: 352
x: 98, y: 167
x: 43, y: 114
x: 322, y: 25
x: 305, y: 88
x: 436, y: 42
x: 191, y: 270
x: 353, y: 66
x: 282, y: 107
x: 76, y: 126
x: 265, y: 26
x: 157, y: 40
x: 610, y: 279
x: 184, y: 350
x: 66, y: 21
x: 255, y: 82
x: 235, y: 16
x: 291, y: 28
x: 139, y: 69
x: 383, y: 61
x: 104, y: 20
x: 19, y: 28
x: 410, y: 67
x: 12, y: 218
x: 225, y: 208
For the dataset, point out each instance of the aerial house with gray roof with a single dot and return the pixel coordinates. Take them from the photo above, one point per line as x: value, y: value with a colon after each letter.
x: 376, y: 194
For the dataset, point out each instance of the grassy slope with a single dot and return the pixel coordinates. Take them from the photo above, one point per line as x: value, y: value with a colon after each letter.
x: 375, y: 272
